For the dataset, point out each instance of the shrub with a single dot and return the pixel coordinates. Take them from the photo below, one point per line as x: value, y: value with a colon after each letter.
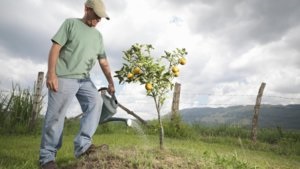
x: 176, y: 128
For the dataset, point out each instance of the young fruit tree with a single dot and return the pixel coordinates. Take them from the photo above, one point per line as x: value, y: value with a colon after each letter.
x: 156, y: 74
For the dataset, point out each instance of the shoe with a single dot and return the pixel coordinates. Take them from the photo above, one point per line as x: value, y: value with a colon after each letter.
x: 94, y: 149
x: 49, y: 165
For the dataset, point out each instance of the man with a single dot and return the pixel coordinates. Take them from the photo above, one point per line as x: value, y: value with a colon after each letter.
x: 76, y: 47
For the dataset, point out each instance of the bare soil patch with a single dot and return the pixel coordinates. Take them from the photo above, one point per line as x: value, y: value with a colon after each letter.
x: 133, y: 159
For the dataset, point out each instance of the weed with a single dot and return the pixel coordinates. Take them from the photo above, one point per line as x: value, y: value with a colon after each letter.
x: 16, y: 110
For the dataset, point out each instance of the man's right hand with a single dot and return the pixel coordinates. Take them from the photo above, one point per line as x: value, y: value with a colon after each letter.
x: 111, y: 89
x: 52, y: 82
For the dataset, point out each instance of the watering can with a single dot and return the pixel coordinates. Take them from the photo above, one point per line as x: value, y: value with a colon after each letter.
x: 109, y: 109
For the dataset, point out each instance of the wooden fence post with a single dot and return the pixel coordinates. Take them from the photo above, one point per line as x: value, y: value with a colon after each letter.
x: 36, y: 100
x: 256, y: 112
x: 175, y: 103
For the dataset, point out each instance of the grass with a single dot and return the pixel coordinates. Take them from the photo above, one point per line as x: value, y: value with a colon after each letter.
x: 187, y: 147
x: 129, y: 150
x: 19, y: 151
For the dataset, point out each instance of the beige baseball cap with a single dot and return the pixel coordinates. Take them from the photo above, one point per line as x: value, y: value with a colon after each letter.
x: 98, y: 7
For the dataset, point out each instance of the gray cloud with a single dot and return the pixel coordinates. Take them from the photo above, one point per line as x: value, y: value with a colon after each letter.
x: 233, y: 45
x: 25, y: 31
x: 239, y: 22
x: 24, y: 42
x: 246, y: 21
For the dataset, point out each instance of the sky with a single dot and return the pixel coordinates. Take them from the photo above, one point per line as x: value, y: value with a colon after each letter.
x: 233, y: 46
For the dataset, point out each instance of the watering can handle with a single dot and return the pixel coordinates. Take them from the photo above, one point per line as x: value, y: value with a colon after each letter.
x: 113, y: 96
x: 102, y: 88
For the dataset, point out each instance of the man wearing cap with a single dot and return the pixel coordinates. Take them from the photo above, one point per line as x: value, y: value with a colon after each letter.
x: 76, y: 47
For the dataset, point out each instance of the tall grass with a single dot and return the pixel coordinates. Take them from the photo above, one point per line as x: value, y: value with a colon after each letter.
x: 16, y: 109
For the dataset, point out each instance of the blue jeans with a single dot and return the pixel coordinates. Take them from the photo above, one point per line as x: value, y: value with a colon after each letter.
x: 58, y: 102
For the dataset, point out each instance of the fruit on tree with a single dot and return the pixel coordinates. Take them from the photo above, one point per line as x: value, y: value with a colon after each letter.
x: 129, y: 75
x: 148, y: 86
x: 175, y: 69
x: 137, y: 70
x: 182, y: 61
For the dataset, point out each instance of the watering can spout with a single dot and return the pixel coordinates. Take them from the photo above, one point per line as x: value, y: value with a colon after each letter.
x: 128, y: 122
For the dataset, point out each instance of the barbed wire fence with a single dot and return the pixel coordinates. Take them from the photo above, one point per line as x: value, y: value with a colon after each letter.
x: 287, y: 100
x: 192, y: 99
x: 209, y: 94
x: 294, y: 99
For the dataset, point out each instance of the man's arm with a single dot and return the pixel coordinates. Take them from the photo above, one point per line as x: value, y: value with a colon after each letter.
x: 52, y: 81
x: 106, y: 70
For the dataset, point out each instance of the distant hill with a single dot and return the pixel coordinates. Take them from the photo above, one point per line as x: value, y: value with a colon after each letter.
x: 270, y: 116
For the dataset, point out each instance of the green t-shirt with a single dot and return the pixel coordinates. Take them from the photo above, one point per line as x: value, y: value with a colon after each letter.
x: 81, y: 47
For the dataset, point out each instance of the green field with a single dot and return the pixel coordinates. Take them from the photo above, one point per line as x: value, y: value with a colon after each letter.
x: 132, y: 149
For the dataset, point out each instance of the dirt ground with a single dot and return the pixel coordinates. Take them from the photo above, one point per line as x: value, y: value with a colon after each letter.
x: 132, y: 159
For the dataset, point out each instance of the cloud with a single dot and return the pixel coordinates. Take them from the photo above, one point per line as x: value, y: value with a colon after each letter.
x: 259, y: 21
x: 18, y: 70
x: 232, y: 46
x: 27, y: 31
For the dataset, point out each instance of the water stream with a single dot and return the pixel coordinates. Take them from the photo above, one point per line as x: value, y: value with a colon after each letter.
x: 138, y: 128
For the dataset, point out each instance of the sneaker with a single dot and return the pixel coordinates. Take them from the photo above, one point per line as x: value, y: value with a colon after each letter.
x: 94, y: 149
x: 49, y: 165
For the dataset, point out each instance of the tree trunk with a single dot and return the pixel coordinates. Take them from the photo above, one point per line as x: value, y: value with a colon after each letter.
x: 161, y: 132
x: 161, y: 127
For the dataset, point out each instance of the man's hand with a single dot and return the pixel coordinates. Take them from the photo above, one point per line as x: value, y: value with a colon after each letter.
x: 52, y: 82
x: 111, y: 89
